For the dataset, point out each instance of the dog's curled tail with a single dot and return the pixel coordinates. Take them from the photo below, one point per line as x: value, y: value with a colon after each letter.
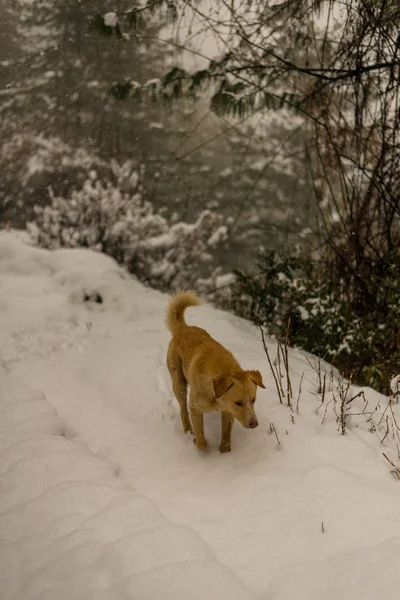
x: 174, y: 318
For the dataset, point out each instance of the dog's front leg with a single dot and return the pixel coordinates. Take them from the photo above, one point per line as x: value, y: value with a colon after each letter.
x: 198, y: 427
x: 226, y: 430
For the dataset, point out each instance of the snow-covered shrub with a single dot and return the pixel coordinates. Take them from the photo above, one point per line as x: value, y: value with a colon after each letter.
x: 33, y: 164
x: 183, y: 252
x: 218, y: 288
x: 325, y: 318
x: 114, y: 218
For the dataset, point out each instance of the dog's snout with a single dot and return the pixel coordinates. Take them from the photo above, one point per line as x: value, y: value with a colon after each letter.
x: 253, y: 423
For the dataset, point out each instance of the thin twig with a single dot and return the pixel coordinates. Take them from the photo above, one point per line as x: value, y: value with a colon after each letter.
x: 383, y: 415
x: 325, y: 411
x: 289, y: 384
x: 377, y: 407
x: 320, y: 73
x: 343, y: 391
x: 317, y: 370
x: 331, y: 378
x: 270, y: 364
x: 359, y: 414
x: 323, y: 389
x: 272, y: 428
x: 319, y: 375
x: 395, y: 470
x: 387, y: 430
x: 298, y: 397
x: 394, y: 418
x: 280, y: 376
x: 359, y: 395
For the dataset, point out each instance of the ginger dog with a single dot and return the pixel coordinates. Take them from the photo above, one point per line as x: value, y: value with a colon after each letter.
x: 217, y: 382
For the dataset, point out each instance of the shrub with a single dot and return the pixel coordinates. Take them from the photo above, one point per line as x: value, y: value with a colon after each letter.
x: 31, y: 165
x: 326, y: 317
x: 114, y: 218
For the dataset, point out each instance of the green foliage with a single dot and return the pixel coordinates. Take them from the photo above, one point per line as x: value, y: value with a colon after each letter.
x: 200, y: 80
x: 126, y: 89
x: 236, y: 99
x: 174, y: 85
x: 326, y: 318
x: 135, y: 19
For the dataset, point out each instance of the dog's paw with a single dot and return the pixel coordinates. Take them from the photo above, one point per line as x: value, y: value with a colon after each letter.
x: 200, y: 444
x: 225, y: 448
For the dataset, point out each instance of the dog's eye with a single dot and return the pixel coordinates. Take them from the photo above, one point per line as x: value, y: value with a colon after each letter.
x: 240, y: 403
x: 253, y: 400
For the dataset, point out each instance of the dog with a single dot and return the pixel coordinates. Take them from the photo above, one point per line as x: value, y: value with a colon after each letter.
x: 216, y: 380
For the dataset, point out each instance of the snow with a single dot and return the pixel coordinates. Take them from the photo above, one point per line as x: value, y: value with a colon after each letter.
x: 224, y: 280
x: 110, y: 19
x: 227, y: 172
x: 395, y: 385
x: 156, y: 125
x: 218, y: 235
x: 103, y: 496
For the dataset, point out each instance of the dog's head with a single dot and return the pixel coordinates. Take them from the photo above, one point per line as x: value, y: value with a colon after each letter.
x: 236, y: 393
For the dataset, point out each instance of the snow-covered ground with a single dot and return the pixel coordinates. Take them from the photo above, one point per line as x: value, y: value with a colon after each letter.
x: 102, y: 495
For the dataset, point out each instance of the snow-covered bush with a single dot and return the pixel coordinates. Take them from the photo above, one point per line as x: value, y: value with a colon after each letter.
x: 325, y: 317
x: 33, y: 164
x: 114, y: 218
x: 182, y: 253
x: 218, y: 288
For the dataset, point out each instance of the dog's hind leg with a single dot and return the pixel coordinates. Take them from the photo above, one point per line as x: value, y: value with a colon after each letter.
x: 198, y: 426
x: 197, y: 420
x: 179, y: 385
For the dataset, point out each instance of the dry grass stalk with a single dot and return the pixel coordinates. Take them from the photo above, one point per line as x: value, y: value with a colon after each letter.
x: 273, y: 430
x: 298, y: 397
x: 395, y: 471
x: 270, y: 364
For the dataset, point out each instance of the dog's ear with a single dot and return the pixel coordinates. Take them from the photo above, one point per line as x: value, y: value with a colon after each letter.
x: 222, y: 385
x: 256, y: 378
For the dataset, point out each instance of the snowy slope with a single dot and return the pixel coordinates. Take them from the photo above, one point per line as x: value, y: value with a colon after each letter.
x: 103, y: 496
